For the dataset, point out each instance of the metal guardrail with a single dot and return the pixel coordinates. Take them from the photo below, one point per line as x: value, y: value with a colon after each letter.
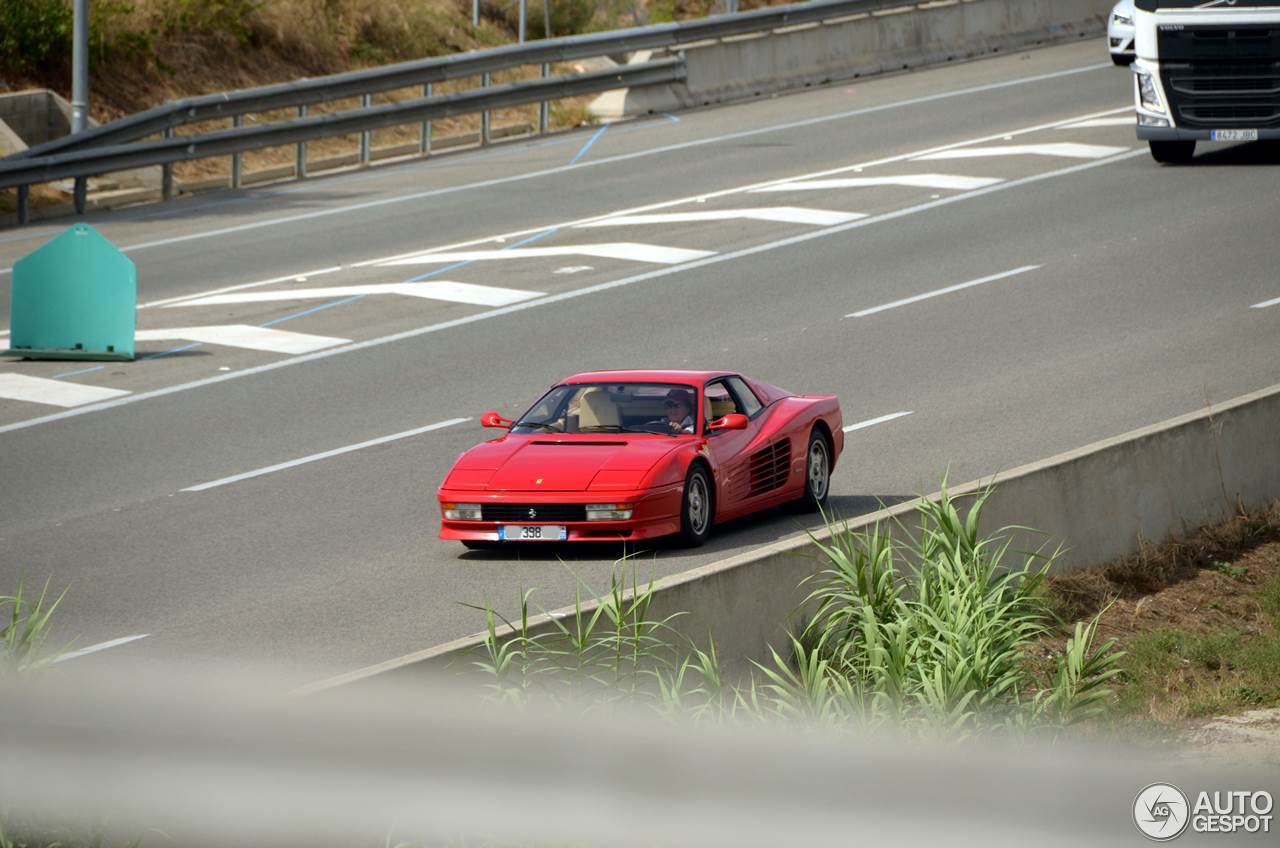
x: 118, y: 145
x: 119, y: 157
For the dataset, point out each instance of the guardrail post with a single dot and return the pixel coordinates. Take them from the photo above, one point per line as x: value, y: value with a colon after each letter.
x: 424, y: 143
x: 484, y: 116
x: 237, y: 162
x: 166, y: 173
x: 24, y: 205
x: 81, y: 194
x: 300, y: 152
x: 544, y: 109
x: 365, y: 137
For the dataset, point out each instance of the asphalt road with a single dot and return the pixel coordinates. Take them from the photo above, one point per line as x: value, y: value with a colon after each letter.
x: 1122, y: 296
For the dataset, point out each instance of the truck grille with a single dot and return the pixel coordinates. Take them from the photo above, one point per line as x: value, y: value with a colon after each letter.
x: 541, y: 513
x: 1222, y: 76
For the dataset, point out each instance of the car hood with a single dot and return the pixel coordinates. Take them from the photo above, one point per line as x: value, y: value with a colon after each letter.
x: 541, y: 464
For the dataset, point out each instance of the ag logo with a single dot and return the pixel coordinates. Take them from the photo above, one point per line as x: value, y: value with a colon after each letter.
x: 1161, y: 811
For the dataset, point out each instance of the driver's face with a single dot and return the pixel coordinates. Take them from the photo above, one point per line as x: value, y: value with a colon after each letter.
x: 677, y: 412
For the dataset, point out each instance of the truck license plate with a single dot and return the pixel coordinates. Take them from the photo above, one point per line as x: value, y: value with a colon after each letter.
x: 533, y: 533
x: 1233, y: 135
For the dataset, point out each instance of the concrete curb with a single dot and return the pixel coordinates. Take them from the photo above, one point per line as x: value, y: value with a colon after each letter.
x: 1105, y: 499
x: 886, y: 40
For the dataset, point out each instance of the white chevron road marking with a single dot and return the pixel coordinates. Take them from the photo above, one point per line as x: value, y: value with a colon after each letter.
x: 952, y: 181
x: 1117, y: 121
x: 612, y: 250
x: 1067, y: 149
x: 245, y: 336
x: 53, y: 392
x: 435, y: 290
x: 782, y: 214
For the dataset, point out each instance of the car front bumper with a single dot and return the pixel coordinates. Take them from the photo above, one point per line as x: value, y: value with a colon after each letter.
x: 656, y: 513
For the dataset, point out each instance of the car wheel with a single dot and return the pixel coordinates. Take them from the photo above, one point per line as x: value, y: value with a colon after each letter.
x: 696, y: 508
x: 1173, y: 152
x: 817, y: 473
x: 480, y: 545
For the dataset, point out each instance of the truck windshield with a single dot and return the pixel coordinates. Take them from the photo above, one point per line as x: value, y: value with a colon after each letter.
x: 1154, y: 5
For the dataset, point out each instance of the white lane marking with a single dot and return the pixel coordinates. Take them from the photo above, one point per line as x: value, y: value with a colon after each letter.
x: 701, y: 198
x: 1118, y: 121
x: 610, y: 160
x: 573, y: 269
x: 616, y: 250
x: 434, y: 290
x: 920, y: 180
x: 287, y: 278
x: 1067, y: 149
x: 293, y: 463
x: 657, y: 273
x: 54, y: 392
x: 906, y: 300
x: 245, y: 336
x: 782, y: 214
x: 874, y: 421
x: 101, y: 646
x: 1273, y: 302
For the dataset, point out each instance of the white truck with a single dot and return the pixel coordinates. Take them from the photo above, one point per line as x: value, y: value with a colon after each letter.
x: 1206, y: 71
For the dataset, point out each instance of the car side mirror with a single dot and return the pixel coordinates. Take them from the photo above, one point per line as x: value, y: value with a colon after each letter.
x: 732, y: 421
x: 493, y: 419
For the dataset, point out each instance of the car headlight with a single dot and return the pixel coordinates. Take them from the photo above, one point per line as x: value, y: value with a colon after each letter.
x: 461, y: 511
x: 1122, y: 20
x: 609, y: 512
x: 1147, y: 93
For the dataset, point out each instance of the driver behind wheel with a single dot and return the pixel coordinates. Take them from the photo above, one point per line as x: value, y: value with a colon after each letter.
x: 679, y: 406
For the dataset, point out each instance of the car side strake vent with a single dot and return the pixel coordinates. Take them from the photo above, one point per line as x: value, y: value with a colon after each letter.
x: 769, y: 467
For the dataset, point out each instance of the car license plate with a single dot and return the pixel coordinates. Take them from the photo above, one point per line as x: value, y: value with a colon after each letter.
x: 1233, y: 135
x: 533, y: 533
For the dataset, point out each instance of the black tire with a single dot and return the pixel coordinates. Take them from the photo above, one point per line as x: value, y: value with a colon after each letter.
x: 697, y: 507
x: 480, y: 545
x: 1173, y: 152
x: 817, y: 473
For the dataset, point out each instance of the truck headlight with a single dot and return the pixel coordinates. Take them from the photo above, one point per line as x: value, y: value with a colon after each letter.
x: 609, y: 512
x: 1121, y: 20
x: 461, y: 511
x: 1148, y: 96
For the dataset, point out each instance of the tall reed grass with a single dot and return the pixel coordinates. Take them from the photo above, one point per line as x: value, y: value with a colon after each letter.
x: 25, y: 630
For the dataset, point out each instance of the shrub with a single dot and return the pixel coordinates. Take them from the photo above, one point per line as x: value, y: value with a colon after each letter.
x: 34, y: 35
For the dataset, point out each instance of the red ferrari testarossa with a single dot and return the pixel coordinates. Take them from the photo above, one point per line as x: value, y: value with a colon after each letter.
x: 626, y: 455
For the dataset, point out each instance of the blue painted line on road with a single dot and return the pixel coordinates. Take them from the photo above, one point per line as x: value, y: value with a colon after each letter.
x: 315, y: 309
x: 466, y: 262
x: 169, y: 352
x: 78, y: 372
x: 582, y: 151
x: 670, y: 117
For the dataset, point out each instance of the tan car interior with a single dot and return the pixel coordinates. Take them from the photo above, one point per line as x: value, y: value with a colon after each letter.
x: 597, y: 409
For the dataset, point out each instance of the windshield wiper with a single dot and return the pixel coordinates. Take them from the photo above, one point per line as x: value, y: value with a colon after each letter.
x: 546, y: 427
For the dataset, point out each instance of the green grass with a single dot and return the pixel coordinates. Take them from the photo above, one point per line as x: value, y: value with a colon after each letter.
x: 25, y: 630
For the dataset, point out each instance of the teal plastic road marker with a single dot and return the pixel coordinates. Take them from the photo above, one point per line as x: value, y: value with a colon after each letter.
x: 75, y: 297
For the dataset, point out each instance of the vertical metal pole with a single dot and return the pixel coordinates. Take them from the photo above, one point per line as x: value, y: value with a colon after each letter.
x: 544, y: 110
x: 424, y: 144
x: 475, y: 13
x: 546, y: 17
x: 237, y: 161
x: 484, y: 116
x: 300, y: 153
x: 24, y: 205
x: 166, y: 173
x: 80, y: 67
x: 366, y: 101
x: 81, y: 194
x: 524, y: 16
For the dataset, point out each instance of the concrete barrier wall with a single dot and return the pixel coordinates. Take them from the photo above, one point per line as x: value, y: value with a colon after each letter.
x: 890, y: 40
x: 1101, y: 501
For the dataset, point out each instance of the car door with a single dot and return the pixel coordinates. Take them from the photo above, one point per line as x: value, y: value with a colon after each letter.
x: 729, y: 450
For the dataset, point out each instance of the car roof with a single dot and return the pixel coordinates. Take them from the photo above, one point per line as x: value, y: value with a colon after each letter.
x: 688, y: 378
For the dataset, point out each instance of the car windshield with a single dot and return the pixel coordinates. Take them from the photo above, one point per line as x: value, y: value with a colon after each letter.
x: 665, y: 408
